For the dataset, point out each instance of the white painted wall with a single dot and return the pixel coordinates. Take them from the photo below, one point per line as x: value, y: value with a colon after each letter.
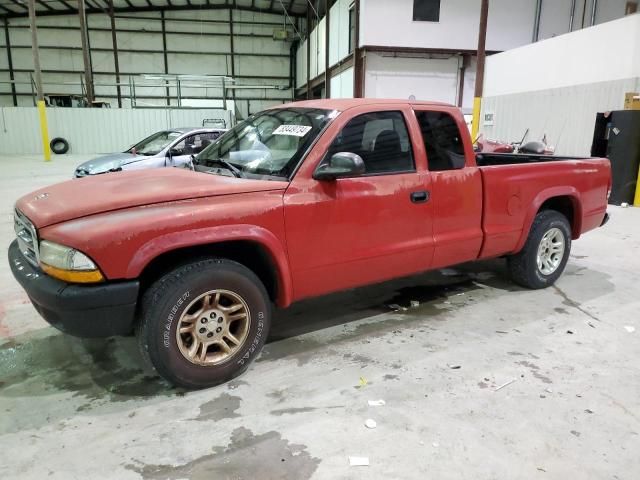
x: 584, y: 72
x: 390, y: 23
x: 385, y: 23
x: 342, y: 84
x: 339, y: 31
x: 609, y: 51
x: 338, y: 43
x: 398, y: 77
x: 93, y: 130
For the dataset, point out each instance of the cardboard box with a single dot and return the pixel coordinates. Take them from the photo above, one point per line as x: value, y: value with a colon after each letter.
x: 632, y: 101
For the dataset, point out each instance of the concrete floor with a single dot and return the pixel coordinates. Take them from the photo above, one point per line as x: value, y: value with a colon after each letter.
x: 83, y: 409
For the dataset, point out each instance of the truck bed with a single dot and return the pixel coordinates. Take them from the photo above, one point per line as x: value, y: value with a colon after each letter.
x: 515, y: 191
x: 492, y: 159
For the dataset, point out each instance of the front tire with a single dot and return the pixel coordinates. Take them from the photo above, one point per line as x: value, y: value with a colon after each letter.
x: 204, y: 323
x: 546, y: 252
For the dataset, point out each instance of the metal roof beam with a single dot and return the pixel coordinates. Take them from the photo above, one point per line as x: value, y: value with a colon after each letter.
x: 152, y: 8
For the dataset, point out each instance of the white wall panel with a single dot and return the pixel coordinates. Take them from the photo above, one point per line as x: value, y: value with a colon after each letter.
x: 342, y: 84
x: 566, y: 115
x: 93, y: 130
x: 301, y: 64
x: 398, y: 77
x: 339, y: 31
x: 609, y: 51
x: 510, y: 24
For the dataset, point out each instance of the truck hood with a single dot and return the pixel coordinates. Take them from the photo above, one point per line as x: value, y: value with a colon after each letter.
x: 103, y: 193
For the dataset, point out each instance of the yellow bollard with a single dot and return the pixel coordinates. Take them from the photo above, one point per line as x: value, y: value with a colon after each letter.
x: 475, y: 122
x: 636, y: 200
x: 44, y: 130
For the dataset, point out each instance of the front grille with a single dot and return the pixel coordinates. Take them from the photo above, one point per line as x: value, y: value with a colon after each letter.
x: 27, y: 237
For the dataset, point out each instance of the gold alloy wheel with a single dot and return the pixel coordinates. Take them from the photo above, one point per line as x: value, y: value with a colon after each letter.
x: 213, y: 327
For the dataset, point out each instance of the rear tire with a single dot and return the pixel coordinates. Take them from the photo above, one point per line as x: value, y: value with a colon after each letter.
x: 223, y: 312
x: 546, y: 252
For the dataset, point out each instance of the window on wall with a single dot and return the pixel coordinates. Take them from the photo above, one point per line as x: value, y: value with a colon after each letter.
x: 426, y: 10
x: 380, y: 138
x: 442, y: 140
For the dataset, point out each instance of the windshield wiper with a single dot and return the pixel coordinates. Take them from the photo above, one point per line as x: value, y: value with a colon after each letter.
x: 229, y: 166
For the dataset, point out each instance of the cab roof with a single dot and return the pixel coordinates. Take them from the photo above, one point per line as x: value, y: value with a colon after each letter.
x: 342, y: 104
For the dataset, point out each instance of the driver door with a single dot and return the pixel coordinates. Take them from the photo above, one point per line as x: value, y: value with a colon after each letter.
x: 349, y: 232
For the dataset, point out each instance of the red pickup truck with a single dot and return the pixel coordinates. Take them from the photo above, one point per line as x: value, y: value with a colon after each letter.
x: 297, y: 201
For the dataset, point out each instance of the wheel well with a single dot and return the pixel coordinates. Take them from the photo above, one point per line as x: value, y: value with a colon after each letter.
x: 250, y: 254
x: 564, y: 205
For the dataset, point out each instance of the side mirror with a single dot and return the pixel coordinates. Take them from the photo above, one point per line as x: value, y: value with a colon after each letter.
x: 173, y: 152
x: 342, y: 164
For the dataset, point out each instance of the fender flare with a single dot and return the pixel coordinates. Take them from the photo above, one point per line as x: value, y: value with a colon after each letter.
x: 543, y: 196
x: 212, y: 235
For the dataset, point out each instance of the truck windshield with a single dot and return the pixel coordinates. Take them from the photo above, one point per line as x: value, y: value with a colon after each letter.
x: 155, y: 143
x: 269, y: 143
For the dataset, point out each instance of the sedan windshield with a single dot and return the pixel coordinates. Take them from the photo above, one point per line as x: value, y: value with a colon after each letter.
x: 155, y: 143
x: 270, y: 143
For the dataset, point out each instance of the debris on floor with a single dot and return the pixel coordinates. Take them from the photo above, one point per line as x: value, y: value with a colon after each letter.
x: 359, y: 461
x: 370, y: 423
x: 570, y: 332
x: 376, y: 403
x: 506, y: 384
x: 363, y: 382
x: 629, y: 328
x: 591, y: 325
x: 454, y: 366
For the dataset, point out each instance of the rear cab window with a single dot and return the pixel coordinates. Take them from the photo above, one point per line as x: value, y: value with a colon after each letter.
x: 442, y: 140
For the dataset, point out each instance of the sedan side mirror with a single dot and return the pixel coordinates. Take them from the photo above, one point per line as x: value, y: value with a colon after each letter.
x: 342, y: 164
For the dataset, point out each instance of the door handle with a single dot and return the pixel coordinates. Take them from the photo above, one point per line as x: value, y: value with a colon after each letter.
x: 420, y: 197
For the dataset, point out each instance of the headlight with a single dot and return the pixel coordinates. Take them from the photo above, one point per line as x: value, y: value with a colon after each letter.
x: 68, y: 264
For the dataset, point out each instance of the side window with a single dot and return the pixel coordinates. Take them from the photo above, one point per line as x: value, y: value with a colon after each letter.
x: 442, y: 140
x: 380, y: 138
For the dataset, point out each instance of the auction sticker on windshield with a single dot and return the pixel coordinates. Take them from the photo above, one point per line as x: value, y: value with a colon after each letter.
x: 295, y: 130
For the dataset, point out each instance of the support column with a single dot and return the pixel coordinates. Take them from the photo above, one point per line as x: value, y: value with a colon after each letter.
x: 482, y: 40
x: 461, y: 73
x: 88, y: 76
x: 7, y: 42
x: 233, y: 62
x: 309, y: 53
x: 327, y: 71
x: 42, y: 113
x: 114, y: 41
x: 358, y: 64
x: 164, y: 53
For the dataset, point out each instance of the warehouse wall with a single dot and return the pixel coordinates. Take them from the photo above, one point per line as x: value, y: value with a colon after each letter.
x: 434, y: 79
x: 561, y: 98
x: 94, y: 130
x: 338, y: 43
x: 198, y: 43
x: 510, y: 22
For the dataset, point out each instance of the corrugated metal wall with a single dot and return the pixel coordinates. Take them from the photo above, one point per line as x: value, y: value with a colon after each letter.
x: 98, y: 130
x: 566, y: 115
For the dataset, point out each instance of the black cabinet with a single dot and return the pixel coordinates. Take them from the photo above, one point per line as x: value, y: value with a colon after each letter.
x: 617, y: 137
